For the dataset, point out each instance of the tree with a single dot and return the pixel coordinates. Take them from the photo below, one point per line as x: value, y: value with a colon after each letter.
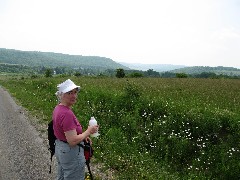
x: 48, y: 72
x: 168, y: 74
x: 77, y: 74
x: 120, y: 73
x: 181, y: 75
x: 136, y: 75
x: 206, y: 75
x: 152, y: 73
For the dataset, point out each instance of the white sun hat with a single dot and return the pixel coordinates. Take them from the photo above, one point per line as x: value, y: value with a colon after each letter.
x: 67, y: 86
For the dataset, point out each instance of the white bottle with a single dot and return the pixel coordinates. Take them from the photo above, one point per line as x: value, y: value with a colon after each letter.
x: 93, y: 122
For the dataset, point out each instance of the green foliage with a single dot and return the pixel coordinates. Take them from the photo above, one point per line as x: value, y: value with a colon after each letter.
x: 206, y: 75
x: 220, y: 70
x: 181, y: 75
x: 120, y: 73
x: 77, y: 74
x: 152, y: 73
x: 15, y: 68
x: 48, y: 59
x: 135, y: 75
x: 48, y: 73
x: 152, y: 128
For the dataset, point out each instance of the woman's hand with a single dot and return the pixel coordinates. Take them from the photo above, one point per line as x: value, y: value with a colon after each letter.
x: 93, y: 129
x: 88, y: 140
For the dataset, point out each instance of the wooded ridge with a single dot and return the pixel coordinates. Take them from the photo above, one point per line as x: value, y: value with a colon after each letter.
x: 51, y: 60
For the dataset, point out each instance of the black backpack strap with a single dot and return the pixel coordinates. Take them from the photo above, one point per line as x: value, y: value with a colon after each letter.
x: 51, y: 141
x: 50, y: 167
x: 89, y: 170
x: 81, y: 145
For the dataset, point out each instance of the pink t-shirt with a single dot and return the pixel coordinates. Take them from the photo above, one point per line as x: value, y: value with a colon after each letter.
x: 64, y: 120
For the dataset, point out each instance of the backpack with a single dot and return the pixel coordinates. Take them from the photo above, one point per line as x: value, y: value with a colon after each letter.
x: 88, y: 150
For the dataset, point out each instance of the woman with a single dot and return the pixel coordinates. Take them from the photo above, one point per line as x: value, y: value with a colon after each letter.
x: 69, y: 133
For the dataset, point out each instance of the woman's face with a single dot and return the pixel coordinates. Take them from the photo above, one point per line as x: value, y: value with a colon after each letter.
x: 69, y: 98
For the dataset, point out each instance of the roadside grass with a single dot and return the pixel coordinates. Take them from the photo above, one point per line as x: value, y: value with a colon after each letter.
x: 151, y: 128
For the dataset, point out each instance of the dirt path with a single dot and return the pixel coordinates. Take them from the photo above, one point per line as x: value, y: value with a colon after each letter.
x: 23, y: 153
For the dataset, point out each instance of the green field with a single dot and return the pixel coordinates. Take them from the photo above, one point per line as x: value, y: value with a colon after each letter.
x: 151, y: 128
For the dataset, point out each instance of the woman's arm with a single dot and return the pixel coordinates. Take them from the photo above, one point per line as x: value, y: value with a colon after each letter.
x: 73, y: 139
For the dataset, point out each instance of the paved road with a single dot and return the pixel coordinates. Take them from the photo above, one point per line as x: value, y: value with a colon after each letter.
x: 23, y: 151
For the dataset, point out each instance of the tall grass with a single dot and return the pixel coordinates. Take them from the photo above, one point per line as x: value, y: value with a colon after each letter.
x: 152, y: 128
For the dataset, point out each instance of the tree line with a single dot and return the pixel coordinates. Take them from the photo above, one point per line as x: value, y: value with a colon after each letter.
x: 119, y: 73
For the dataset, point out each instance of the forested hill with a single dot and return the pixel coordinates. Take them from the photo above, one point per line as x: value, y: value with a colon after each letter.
x: 51, y: 60
x: 230, y: 71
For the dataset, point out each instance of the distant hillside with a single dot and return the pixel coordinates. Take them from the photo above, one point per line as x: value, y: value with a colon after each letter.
x: 230, y: 71
x: 193, y: 70
x: 155, y: 67
x: 50, y: 59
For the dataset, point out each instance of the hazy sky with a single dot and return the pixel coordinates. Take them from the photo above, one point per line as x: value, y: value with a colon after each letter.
x: 181, y: 32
